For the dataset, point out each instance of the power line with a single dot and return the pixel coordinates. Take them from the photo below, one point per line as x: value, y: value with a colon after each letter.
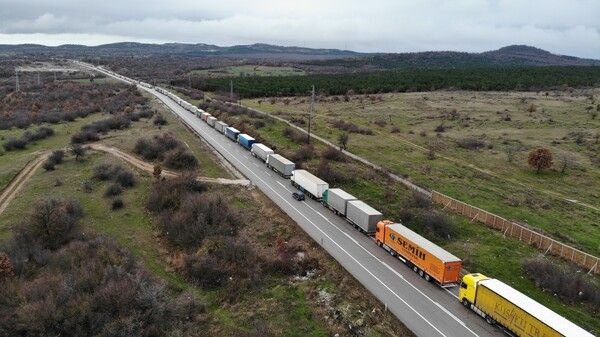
x: 312, y: 107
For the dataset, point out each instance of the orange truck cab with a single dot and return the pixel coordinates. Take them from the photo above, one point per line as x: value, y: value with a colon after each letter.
x: 425, y: 257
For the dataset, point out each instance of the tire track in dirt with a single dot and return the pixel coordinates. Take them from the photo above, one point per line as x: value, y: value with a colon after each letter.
x: 20, y: 179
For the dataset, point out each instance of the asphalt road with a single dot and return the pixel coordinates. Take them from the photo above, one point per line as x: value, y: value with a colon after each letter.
x: 424, y: 308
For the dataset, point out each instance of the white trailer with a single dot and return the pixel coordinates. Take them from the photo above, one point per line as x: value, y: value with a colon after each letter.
x: 211, y: 121
x: 309, y: 184
x: 261, y: 151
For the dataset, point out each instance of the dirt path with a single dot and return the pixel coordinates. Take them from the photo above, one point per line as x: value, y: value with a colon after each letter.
x: 20, y: 179
x: 23, y: 176
x: 149, y: 167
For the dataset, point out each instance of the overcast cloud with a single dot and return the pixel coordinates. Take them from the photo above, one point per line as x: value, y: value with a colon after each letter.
x: 568, y: 27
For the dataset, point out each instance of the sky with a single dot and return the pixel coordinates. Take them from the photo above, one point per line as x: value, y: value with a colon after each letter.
x: 569, y: 27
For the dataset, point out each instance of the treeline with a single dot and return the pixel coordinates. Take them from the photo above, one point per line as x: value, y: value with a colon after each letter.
x: 410, y: 80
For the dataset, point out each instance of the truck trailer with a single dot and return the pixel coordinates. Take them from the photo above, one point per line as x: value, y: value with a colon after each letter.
x: 426, y: 258
x: 280, y: 165
x: 220, y: 126
x: 363, y: 216
x: 309, y: 184
x: 246, y: 141
x: 211, y: 121
x: 232, y: 133
x: 501, y: 304
x: 337, y: 199
x: 261, y: 151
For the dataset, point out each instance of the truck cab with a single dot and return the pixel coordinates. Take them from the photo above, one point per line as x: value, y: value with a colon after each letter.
x: 468, y: 288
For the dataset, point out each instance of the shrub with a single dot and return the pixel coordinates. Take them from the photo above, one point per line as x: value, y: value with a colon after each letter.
x: 565, y: 282
x: 470, y: 143
x: 113, y: 190
x: 180, y: 158
x: 167, y: 194
x: 14, y: 144
x: 438, y: 223
x: 350, y: 127
x: 6, y: 267
x: 124, y: 177
x: 421, y: 201
x: 159, y: 119
x: 295, y: 135
x: 103, y: 171
x: 49, y: 165
x: 117, y: 203
x: 51, y: 224
x: 329, y: 174
x: 84, y: 137
x: 331, y: 153
x: 304, y: 153
x: 204, y: 271
x: 57, y: 156
x: 78, y: 151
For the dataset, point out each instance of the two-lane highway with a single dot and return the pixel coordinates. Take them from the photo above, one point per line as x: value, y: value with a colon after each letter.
x: 424, y: 308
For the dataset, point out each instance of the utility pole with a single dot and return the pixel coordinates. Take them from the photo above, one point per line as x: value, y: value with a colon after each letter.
x: 312, y: 106
x: 231, y: 90
x: 16, y: 79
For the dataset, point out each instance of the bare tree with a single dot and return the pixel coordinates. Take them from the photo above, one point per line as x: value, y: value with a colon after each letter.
x: 540, y: 159
x: 567, y: 161
x: 343, y: 140
x: 78, y: 151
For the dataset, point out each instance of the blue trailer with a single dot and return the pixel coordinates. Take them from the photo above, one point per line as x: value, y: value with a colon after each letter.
x: 246, y: 141
x: 231, y: 133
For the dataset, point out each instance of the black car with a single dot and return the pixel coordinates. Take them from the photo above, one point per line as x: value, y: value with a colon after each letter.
x: 298, y: 196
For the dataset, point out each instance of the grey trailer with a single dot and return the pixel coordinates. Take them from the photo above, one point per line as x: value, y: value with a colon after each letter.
x: 363, y: 216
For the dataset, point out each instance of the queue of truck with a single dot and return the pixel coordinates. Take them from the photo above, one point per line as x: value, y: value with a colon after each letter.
x: 495, y: 301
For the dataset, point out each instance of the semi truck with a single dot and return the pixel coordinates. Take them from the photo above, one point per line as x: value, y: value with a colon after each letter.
x: 309, y: 184
x: 280, y: 165
x: 261, y: 151
x: 232, y: 133
x: 429, y: 260
x: 501, y: 304
x: 204, y: 116
x: 337, y: 199
x: 211, y: 121
x: 220, y: 126
x: 246, y: 141
x: 363, y: 216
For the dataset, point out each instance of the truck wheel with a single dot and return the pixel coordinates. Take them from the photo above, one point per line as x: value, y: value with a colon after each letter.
x: 379, y: 243
x: 421, y: 273
x: 489, y: 319
x: 427, y: 277
x: 466, y: 303
x: 416, y: 269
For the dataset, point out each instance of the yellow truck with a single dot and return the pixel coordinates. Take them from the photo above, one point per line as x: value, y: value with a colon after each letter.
x: 501, y: 304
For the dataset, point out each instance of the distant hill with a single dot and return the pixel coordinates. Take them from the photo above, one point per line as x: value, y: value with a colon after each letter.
x: 515, y: 55
x: 182, y: 49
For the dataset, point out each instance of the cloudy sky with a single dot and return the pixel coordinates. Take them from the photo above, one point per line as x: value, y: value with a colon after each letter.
x: 569, y: 27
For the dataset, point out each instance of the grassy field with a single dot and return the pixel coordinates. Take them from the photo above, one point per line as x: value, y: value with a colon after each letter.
x: 284, y: 306
x: 248, y: 70
x: 483, y: 250
x: 404, y: 125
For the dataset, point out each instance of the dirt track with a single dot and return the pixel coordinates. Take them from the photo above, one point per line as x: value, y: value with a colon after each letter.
x: 148, y: 167
x: 20, y: 179
x: 23, y: 176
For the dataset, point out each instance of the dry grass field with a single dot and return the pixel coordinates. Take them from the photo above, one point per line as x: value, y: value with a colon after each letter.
x: 474, y: 146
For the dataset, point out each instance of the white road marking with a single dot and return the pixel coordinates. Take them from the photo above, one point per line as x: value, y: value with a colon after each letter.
x: 326, y: 235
